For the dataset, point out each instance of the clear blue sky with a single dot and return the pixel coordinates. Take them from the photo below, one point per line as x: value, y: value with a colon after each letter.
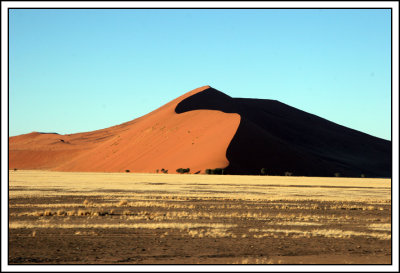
x: 81, y: 70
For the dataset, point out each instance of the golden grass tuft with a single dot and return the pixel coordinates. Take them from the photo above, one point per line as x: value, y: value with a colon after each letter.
x: 47, y: 213
x: 86, y: 233
x: 61, y: 213
x: 122, y: 203
x: 71, y: 212
x: 38, y: 213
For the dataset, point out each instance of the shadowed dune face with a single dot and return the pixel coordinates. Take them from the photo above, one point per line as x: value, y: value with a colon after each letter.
x: 282, y: 139
x: 159, y: 140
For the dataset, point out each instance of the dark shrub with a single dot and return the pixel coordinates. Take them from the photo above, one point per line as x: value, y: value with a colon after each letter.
x: 181, y: 170
x: 127, y: 171
x: 263, y: 171
x: 215, y: 171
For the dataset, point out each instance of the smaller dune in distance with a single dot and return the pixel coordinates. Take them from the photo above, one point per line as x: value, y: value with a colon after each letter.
x: 207, y: 129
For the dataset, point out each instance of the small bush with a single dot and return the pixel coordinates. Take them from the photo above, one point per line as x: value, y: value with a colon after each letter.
x: 127, y: 171
x: 337, y: 174
x: 215, y: 171
x: 181, y: 170
x: 157, y: 170
x: 362, y: 175
x: 288, y: 173
x: 164, y: 170
x: 263, y: 171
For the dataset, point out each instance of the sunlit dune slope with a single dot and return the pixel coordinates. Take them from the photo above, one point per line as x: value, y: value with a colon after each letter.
x: 159, y: 140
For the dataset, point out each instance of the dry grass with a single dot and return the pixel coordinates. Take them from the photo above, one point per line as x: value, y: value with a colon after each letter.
x: 237, y: 209
x: 221, y: 207
x: 330, y: 233
x: 226, y: 186
x: 252, y: 260
x: 177, y: 225
x: 380, y: 227
x: 212, y: 233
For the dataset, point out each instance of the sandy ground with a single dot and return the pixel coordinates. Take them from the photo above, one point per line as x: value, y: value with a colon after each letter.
x: 110, y: 218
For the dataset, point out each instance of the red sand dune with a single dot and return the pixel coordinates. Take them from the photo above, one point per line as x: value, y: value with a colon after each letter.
x: 207, y: 129
x: 161, y: 139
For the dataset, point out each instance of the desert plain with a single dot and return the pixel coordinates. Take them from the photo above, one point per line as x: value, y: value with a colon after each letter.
x: 138, y: 218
